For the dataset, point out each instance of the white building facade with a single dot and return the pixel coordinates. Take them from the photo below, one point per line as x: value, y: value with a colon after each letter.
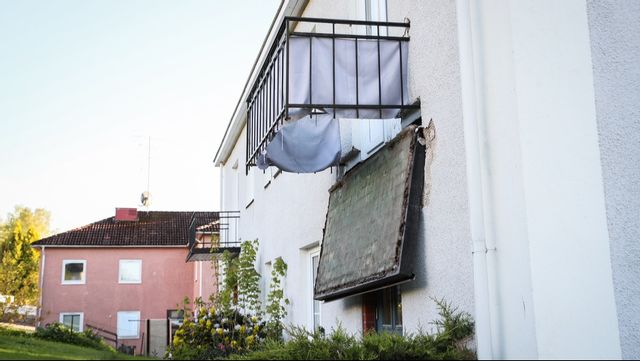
x: 530, y: 215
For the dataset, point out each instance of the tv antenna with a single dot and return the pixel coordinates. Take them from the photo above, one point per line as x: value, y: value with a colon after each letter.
x: 145, y: 197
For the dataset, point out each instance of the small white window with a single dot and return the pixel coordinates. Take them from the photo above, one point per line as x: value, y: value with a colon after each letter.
x: 128, y: 324
x: 73, y: 320
x: 130, y: 271
x: 74, y: 272
x: 315, y: 304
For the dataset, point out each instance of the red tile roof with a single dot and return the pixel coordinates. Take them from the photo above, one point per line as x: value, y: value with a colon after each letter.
x: 151, y: 229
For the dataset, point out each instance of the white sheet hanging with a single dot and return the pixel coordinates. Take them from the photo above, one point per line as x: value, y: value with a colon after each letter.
x: 307, y: 145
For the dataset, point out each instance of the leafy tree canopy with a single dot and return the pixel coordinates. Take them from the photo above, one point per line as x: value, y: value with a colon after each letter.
x: 18, y: 260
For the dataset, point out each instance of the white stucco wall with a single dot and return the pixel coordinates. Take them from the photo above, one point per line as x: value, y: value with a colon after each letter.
x: 551, y: 158
x: 615, y: 47
x: 544, y: 189
x: 445, y: 246
x: 288, y: 216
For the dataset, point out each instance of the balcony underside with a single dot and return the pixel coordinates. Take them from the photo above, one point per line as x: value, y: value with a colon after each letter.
x: 207, y: 254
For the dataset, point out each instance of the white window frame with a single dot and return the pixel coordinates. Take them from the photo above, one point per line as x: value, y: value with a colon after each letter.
x: 313, y: 253
x: 62, y: 314
x: 137, y: 322
x: 120, y: 280
x: 84, y: 272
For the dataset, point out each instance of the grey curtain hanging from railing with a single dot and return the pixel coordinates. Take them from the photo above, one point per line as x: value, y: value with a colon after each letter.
x: 311, y: 76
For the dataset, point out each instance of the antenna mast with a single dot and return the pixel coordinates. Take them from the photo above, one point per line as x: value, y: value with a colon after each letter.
x: 145, y: 197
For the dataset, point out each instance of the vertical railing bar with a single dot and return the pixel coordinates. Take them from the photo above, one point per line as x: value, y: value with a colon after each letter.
x: 270, y: 93
x: 310, y: 71
x: 286, y: 109
x: 276, y: 94
x: 401, y: 80
x: 260, y: 117
x: 334, y: 68
x: 247, y: 137
x: 274, y: 97
x: 282, y: 79
x: 379, y: 77
x: 357, y: 84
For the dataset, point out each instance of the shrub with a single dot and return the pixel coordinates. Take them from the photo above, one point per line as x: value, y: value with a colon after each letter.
x: 61, y: 333
x: 213, y: 333
x: 233, y: 321
x: 449, y: 342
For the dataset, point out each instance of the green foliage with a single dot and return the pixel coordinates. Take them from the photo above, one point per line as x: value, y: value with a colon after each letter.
x: 226, y: 297
x: 18, y: 271
x: 60, y: 333
x: 38, y: 220
x: 20, y: 345
x: 211, y: 333
x: 249, y: 279
x: 18, y: 260
x: 229, y: 323
x: 455, y: 329
x: 276, y: 300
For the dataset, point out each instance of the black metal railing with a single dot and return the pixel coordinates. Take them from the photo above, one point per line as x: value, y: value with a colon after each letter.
x: 106, y: 335
x: 213, y: 234
x: 270, y: 101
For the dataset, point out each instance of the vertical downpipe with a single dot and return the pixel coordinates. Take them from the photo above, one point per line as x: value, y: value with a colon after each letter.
x: 471, y: 120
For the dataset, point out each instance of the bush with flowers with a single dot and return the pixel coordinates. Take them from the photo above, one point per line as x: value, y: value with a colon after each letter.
x: 232, y: 321
x: 212, y: 333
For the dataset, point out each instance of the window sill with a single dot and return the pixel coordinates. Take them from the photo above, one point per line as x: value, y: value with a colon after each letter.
x: 129, y: 337
x: 129, y: 283
x: 73, y: 283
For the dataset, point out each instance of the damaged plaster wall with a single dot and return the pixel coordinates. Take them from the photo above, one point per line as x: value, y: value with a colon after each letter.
x: 445, y: 265
x: 444, y: 258
x: 615, y: 51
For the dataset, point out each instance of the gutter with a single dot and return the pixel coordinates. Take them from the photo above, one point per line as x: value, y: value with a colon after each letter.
x: 234, y: 127
x: 484, y: 248
x: 101, y: 246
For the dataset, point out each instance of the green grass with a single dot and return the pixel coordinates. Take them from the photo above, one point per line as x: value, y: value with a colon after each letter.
x: 19, y: 346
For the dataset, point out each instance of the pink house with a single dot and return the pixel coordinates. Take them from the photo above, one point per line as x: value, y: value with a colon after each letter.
x: 126, y: 275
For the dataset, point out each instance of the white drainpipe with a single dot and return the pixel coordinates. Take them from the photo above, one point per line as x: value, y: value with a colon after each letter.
x: 44, y: 259
x: 484, y: 265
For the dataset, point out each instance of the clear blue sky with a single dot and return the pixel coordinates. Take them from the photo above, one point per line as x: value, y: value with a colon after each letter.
x: 84, y: 83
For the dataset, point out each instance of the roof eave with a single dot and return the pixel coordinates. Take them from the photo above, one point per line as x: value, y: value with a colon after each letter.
x: 238, y: 119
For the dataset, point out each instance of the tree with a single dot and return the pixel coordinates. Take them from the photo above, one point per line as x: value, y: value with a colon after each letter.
x: 18, y: 260
x: 38, y: 220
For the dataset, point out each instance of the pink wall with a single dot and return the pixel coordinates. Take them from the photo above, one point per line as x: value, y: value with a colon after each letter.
x: 166, y: 280
x: 205, y: 274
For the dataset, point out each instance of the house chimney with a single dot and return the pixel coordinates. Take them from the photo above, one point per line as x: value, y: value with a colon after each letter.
x: 126, y: 214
